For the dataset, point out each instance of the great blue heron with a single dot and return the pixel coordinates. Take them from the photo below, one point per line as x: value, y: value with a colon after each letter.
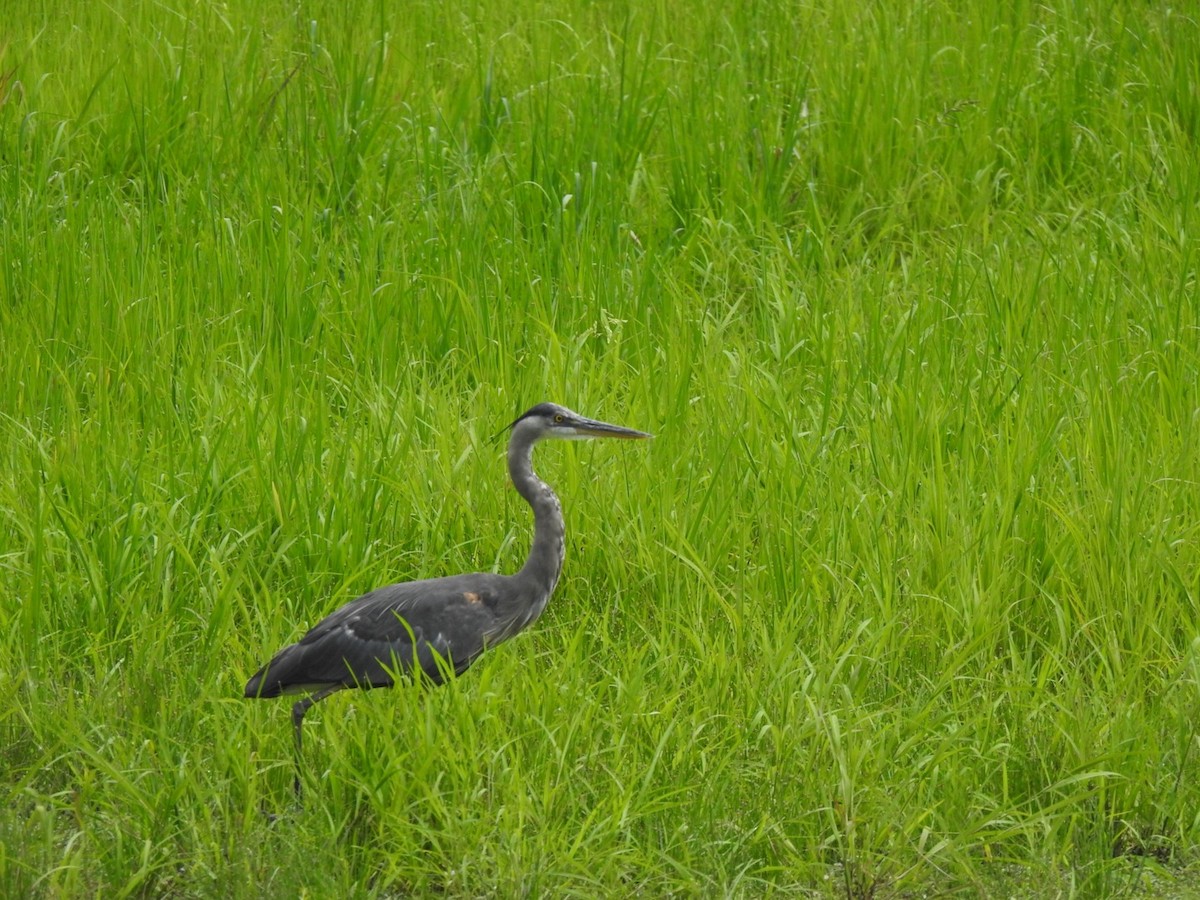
x: 439, y: 625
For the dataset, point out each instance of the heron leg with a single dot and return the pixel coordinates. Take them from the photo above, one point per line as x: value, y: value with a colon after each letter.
x: 298, y: 711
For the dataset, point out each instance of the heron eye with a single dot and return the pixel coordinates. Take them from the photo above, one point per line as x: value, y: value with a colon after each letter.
x: 557, y: 418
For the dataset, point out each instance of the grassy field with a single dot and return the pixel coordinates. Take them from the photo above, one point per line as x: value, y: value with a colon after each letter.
x: 902, y: 601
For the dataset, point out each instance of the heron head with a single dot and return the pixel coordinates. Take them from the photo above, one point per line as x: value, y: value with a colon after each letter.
x: 549, y: 420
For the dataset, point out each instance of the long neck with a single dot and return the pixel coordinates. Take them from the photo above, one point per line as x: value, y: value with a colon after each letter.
x: 545, y: 561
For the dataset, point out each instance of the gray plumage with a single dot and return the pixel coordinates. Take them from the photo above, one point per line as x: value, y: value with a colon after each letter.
x: 440, y: 625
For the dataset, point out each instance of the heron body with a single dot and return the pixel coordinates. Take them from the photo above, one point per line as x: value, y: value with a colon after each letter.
x: 437, y: 626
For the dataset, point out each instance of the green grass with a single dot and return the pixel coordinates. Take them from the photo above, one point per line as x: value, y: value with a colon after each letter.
x: 902, y: 601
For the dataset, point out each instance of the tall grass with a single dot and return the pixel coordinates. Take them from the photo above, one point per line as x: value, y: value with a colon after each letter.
x: 903, y: 599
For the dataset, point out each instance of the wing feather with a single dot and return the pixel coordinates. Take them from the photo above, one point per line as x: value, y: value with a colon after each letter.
x: 438, y: 626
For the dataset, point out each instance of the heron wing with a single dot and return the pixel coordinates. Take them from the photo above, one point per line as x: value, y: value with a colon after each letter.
x: 438, y: 626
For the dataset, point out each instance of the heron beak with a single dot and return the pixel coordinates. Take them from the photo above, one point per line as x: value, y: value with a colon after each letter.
x: 595, y: 428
